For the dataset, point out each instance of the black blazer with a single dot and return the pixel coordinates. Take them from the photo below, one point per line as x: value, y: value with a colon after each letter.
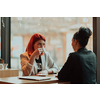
x: 80, y: 68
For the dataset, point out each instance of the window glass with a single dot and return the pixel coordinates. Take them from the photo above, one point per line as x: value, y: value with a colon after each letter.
x: 57, y: 30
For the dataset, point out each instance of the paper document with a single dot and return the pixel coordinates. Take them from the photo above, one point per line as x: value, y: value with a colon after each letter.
x: 37, y: 78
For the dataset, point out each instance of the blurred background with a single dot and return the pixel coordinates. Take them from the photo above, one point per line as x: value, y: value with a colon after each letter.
x: 57, y: 30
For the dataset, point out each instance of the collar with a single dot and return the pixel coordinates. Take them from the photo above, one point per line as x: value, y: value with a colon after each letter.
x: 81, y: 49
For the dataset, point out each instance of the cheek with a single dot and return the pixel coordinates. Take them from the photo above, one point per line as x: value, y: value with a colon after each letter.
x: 72, y: 44
x: 35, y: 47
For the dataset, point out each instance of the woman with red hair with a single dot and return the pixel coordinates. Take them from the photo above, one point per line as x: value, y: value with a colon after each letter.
x: 36, y: 60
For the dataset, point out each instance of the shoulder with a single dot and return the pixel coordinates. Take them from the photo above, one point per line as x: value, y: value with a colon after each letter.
x: 86, y: 53
x: 91, y: 52
x: 92, y: 55
x: 47, y: 53
x: 73, y: 54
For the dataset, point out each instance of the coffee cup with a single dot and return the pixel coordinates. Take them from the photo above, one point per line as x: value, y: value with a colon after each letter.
x: 43, y: 50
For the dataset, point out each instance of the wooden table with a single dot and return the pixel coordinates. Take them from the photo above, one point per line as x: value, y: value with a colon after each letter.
x: 16, y: 80
x: 8, y: 73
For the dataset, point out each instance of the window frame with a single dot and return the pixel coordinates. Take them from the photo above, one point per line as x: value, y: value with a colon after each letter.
x: 5, y: 40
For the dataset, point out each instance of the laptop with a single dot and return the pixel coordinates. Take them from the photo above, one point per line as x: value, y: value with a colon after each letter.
x: 37, y: 78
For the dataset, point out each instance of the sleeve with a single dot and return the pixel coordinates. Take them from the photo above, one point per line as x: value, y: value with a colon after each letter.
x: 65, y: 72
x: 26, y: 67
x: 51, y: 64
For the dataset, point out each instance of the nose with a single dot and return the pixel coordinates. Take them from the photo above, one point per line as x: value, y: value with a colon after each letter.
x: 42, y: 45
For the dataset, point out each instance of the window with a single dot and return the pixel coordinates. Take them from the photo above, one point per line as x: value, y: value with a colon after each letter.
x: 57, y: 30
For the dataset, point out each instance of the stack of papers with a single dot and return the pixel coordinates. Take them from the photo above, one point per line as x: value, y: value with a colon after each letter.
x: 37, y: 78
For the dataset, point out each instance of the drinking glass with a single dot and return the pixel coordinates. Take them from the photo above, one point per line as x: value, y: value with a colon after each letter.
x: 5, y: 66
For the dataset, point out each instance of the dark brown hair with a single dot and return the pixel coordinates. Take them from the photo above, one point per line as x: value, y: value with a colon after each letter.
x: 82, y: 36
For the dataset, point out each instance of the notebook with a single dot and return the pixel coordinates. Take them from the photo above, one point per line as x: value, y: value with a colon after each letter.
x: 37, y: 78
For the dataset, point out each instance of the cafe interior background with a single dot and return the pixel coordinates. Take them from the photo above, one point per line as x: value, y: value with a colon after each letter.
x: 57, y: 30
x: 15, y: 32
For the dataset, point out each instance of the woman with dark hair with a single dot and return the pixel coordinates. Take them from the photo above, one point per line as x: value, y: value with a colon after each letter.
x: 36, y: 60
x: 80, y: 67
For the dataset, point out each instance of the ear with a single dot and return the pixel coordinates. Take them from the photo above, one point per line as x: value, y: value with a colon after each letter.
x: 75, y: 41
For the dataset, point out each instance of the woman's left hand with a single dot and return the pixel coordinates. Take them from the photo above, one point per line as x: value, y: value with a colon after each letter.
x: 43, y: 72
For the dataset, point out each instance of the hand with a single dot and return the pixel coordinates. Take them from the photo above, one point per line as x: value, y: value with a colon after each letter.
x: 37, y: 52
x: 35, y: 55
x: 43, y: 72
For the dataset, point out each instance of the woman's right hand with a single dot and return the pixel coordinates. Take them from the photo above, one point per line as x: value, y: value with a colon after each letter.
x: 37, y: 52
x: 35, y: 55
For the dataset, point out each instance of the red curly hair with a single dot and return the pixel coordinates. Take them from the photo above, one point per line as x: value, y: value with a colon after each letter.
x: 35, y: 37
